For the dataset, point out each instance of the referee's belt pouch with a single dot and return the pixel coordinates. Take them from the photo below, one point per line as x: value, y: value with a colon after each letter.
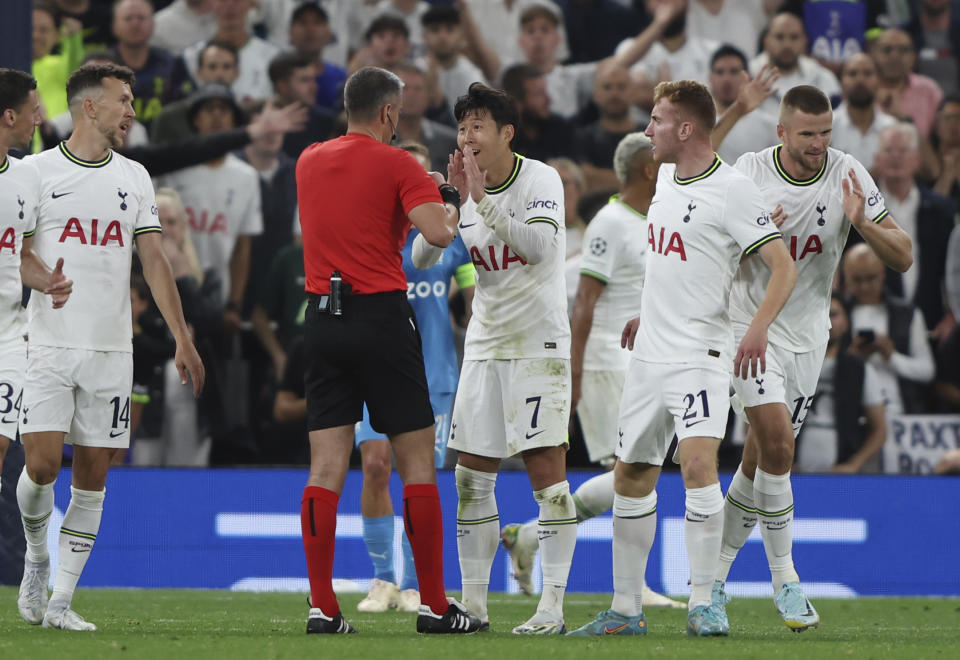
x: 333, y: 302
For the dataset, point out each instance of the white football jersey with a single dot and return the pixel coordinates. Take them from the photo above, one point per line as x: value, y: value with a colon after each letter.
x: 519, y: 309
x: 222, y: 203
x: 614, y: 252
x: 19, y: 194
x: 697, y: 230
x: 815, y: 232
x: 89, y: 214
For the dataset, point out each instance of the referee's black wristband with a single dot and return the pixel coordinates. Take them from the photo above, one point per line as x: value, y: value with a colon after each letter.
x: 450, y: 195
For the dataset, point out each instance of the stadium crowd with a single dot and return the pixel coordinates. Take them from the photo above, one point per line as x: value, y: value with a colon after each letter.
x: 229, y: 93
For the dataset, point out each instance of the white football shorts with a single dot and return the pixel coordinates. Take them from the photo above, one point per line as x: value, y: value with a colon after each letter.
x: 504, y: 407
x: 83, y: 393
x: 790, y: 378
x: 13, y: 364
x: 662, y: 399
x: 599, y: 409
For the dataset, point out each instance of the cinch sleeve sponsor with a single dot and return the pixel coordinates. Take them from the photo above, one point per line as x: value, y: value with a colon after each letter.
x: 148, y: 218
x: 747, y: 219
x: 874, y: 206
x: 544, y: 200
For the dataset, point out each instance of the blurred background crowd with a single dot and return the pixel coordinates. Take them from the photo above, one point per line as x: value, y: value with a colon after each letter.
x: 229, y: 92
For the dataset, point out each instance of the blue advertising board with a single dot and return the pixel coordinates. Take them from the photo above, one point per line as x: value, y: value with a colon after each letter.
x: 240, y: 529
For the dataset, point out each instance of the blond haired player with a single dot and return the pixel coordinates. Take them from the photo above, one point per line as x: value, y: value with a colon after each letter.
x: 704, y: 216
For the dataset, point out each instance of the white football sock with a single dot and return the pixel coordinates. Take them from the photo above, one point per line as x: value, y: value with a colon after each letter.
x: 36, y: 505
x: 594, y: 496
x: 634, y: 528
x: 527, y: 537
x: 703, y: 530
x: 557, y: 531
x: 78, y: 532
x: 774, y: 500
x: 739, y: 519
x: 478, y: 535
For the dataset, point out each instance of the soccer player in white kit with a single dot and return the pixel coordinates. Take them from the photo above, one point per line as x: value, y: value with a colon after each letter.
x: 94, y: 203
x: 704, y: 216
x: 820, y: 192
x: 608, y: 295
x: 514, y: 390
x: 19, y: 191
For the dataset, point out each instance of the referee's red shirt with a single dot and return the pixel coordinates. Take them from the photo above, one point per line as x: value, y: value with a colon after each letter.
x: 354, y: 195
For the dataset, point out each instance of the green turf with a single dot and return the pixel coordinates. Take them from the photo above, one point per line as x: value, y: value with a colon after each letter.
x: 216, y: 624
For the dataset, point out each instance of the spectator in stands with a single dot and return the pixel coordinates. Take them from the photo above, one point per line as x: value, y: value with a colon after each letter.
x: 737, y: 23
x: 281, y: 301
x: 411, y: 12
x: 946, y: 137
x: 543, y: 134
x: 278, y: 197
x: 499, y: 23
x: 597, y: 141
x: 595, y: 27
x: 222, y: 200
x: 133, y: 26
x: 216, y: 62
x: 785, y: 46
x: 310, y: 34
x: 574, y: 188
x: 887, y: 333
x: 294, y: 80
x: 857, y: 121
x: 181, y: 23
x: 444, y: 38
x: 52, y: 69
x: 926, y: 216
x: 756, y: 130
x: 935, y: 29
x: 290, y: 407
x: 903, y: 93
x: 570, y: 86
x: 846, y: 428
x: 254, y: 53
x: 413, y: 126
x: 835, y: 31
x: 674, y: 54
x: 388, y: 44
x: 96, y: 18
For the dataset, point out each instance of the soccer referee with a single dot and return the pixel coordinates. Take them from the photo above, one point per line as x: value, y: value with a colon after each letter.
x: 358, y: 197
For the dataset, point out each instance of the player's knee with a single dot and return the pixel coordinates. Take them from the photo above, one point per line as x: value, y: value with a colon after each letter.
x: 376, y: 468
x: 699, y: 470
x: 42, y: 470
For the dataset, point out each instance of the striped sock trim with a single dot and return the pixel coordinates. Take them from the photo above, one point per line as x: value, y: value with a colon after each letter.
x: 563, y: 521
x: 637, y: 517
x: 774, y: 514
x: 79, y: 535
x: 739, y: 505
x: 479, y: 521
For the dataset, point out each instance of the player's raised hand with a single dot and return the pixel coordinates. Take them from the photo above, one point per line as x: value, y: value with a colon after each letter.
x: 188, y: 361
x: 778, y: 216
x: 60, y: 287
x: 475, y: 179
x: 853, y: 199
x: 751, y: 353
x: 756, y: 91
x: 273, y: 120
x: 629, y: 333
x: 455, y: 173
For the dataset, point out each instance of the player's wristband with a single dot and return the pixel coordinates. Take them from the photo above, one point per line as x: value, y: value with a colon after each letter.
x: 450, y: 195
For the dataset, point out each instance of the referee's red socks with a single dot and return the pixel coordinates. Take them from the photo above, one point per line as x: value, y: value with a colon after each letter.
x: 318, y: 523
x: 424, y: 525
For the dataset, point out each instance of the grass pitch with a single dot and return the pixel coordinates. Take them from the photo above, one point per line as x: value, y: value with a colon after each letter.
x: 172, y: 624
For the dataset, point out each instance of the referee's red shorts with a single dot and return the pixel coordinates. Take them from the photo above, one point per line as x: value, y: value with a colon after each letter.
x: 371, y: 354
